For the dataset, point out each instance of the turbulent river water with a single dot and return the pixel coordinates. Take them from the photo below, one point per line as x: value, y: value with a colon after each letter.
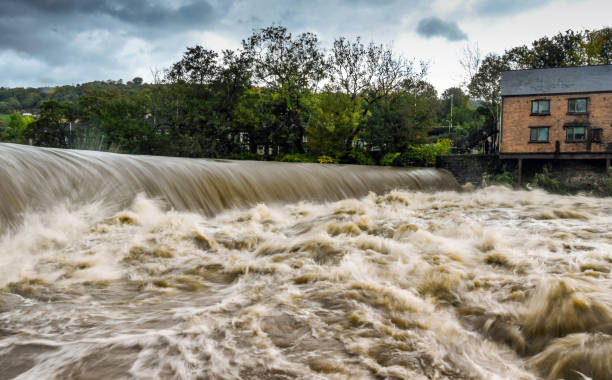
x: 124, y: 267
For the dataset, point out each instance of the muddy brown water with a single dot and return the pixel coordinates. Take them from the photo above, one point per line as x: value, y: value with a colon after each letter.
x: 134, y: 267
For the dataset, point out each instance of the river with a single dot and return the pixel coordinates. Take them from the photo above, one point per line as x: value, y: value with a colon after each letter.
x: 135, y: 267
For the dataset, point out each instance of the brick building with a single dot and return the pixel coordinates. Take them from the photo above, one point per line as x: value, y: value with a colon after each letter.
x: 557, y: 113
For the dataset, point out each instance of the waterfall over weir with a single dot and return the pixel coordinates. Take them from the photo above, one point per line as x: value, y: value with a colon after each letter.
x: 38, y: 178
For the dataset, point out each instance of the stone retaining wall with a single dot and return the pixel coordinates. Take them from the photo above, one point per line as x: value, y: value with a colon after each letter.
x: 471, y: 168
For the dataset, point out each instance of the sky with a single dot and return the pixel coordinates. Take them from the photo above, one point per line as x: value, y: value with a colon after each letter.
x: 58, y: 42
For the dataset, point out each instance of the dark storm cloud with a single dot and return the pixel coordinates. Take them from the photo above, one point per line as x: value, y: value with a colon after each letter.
x: 132, y: 11
x: 435, y: 27
x: 43, y: 28
x: 91, y: 36
x: 78, y: 40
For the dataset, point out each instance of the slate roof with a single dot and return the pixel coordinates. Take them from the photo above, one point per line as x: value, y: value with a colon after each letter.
x: 563, y: 80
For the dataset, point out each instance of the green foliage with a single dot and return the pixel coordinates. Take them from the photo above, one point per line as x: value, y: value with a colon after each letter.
x: 399, y: 120
x: 125, y: 120
x: 334, y: 118
x: 53, y: 128
x: 31, y: 99
x: 298, y: 157
x: 18, y: 99
x: 255, y: 118
x: 572, y: 179
x: 360, y: 157
x: 291, y: 66
x: 16, y: 127
x: 547, y: 181
x: 423, y: 155
x: 326, y: 160
x: 388, y: 158
x: 486, y: 86
x: 569, y: 48
x: 198, y: 66
x: 507, y: 178
x: 606, y: 188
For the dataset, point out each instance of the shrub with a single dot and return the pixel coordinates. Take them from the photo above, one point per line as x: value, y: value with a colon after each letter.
x: 326, y: 160
x: 547, y: 181
x: 507, y: 178
x: 607, y: 187
x: 297, y: 157
x: 423, y: 155
x: 388, y: 159
x: 361, y: 158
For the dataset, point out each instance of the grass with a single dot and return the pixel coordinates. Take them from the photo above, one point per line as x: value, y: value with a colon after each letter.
x: 4, y: 118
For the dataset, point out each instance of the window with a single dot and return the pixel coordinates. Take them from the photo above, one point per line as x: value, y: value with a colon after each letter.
x: 540, y: 107
x: 577, y: 105
x: 575, y: 134
x: 539, y: 134
x: 596, y: 135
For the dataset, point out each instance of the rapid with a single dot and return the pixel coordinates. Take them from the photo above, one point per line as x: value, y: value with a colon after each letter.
x: 136, y: 267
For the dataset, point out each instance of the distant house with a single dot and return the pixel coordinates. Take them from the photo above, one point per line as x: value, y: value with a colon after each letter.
x: 557, y: 113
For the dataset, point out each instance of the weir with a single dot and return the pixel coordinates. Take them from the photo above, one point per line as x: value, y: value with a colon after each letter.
x: 33, y: 178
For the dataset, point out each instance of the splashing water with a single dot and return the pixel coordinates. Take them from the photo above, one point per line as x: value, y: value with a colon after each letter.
x: 489, y: 284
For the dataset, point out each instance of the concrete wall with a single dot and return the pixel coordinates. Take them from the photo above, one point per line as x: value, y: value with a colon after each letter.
x: 517, y: 118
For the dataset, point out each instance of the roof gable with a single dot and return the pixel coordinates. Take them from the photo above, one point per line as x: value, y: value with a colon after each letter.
x: 562, y: 80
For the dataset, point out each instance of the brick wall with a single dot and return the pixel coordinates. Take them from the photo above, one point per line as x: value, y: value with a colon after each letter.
x: 517, y: 118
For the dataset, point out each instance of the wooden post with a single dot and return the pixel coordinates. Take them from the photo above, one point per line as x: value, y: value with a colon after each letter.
x: 520, y: 171
x: 608, y: 166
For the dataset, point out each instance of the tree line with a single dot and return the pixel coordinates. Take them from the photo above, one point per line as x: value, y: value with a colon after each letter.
x: 282, y: 96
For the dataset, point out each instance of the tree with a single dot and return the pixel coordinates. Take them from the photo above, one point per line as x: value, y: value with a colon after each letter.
x: 458, y: 112
x: 370, y: 74
x: 597, y: 46
x: 291, y: 66
x: 401, y: 120
x: 281, y: 61
x: 198, y: 66
x: 183, y: 106
x: 16, y: 128
x: 334, y: 119
x: 232, y: 82
x: 254, y: 119
x: 569, y: 48
x: 53, y: 127
x: 352, y: 66
x: 468, y: 123
x: 125, y: 120
x: 470, y: 62
x: 559, y: 51
x: 486, y: 85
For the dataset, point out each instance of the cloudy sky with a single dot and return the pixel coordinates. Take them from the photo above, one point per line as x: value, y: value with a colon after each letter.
x: 55, y: 42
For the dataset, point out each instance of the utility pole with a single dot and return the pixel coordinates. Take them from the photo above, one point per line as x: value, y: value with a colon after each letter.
x: 451, y: 116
